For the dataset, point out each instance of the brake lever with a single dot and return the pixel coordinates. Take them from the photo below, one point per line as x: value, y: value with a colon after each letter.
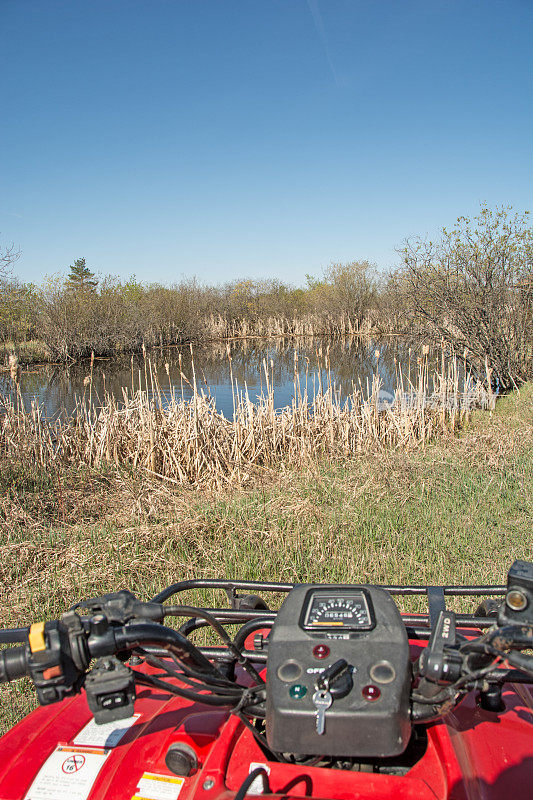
x: 121, y: 607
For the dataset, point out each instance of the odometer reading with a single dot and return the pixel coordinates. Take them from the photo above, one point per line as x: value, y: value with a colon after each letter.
x: 342, y: 611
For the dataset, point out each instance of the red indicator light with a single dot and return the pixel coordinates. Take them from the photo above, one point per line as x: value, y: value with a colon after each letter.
x: 321, y: 651
x: 371, y: 692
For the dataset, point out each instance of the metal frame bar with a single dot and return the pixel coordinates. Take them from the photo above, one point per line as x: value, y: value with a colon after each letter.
x: 436, y: 598
x: 232, y: 586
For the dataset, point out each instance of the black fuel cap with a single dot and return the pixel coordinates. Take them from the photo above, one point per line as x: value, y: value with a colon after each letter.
x: 181, y: 759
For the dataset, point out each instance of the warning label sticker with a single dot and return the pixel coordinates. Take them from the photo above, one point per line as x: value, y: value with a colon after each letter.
x: 158, y: 787
x: 67, y: 772
x: 107, y: 735
x: 73, y: 763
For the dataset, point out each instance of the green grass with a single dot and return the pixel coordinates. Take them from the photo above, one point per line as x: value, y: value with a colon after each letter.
x: 460, y: 510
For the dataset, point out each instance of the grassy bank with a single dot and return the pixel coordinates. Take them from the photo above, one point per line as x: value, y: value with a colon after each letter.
x: 459, y: 510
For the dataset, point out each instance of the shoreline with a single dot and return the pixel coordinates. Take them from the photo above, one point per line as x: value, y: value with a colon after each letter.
x: 26, y: 361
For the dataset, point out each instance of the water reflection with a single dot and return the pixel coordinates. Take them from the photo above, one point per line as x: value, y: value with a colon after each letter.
x: 349, y: 362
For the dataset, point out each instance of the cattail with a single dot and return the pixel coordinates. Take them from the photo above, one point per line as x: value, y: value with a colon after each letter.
x: 377, y: 354
x: 14, y: 368
x: 425, y: 350
x: 190, y: 442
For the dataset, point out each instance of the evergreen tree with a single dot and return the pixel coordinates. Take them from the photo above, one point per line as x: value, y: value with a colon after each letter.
x: 81, y: 279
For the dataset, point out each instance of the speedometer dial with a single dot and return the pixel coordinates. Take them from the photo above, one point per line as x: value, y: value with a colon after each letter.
x: 340, y: 610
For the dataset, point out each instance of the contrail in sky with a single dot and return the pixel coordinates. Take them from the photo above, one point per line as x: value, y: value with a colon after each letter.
x: 319, y: 25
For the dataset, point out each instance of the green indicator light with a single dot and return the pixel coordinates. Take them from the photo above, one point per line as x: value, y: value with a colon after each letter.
x: 297, y: 691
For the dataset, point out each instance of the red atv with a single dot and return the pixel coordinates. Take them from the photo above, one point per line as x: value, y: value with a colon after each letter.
x: 336, y: 695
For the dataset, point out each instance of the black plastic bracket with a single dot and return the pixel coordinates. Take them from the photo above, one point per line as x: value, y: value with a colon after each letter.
x: 110, y: 688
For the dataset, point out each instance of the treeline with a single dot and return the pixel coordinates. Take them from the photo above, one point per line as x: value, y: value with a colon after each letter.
x: 80, y: 314
x: 471, y: 289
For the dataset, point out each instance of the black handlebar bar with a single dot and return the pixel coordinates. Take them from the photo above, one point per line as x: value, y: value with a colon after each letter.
x: 14, y: 635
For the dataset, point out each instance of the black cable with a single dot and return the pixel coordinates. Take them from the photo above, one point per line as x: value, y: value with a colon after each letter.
x: 460, y: 686
x: 522, y: 662
x: 515, y: 636
x: 468, y: 681
x: 247, y: 782
x: 218, y: 679
x: 256, y: 710
x: 210, y: 700
x: 214, y: 680
x: 205, y: 685
x: 136, y: 635
x: 192, y: 611
x: 197, y: 685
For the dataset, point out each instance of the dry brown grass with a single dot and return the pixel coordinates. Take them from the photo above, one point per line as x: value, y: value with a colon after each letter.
x: 188, y: 442
x: 217, y: 326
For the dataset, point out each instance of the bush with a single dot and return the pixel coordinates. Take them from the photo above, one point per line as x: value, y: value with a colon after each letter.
x: 474, y: 289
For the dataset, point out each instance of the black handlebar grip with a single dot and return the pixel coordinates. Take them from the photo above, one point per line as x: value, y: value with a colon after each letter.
x: 13, y: 664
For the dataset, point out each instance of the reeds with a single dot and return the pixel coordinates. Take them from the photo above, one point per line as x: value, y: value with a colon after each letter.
x: 179, y: 441
x: 217, y: 326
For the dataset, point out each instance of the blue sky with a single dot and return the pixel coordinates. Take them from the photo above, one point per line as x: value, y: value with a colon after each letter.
x: 262, y: 138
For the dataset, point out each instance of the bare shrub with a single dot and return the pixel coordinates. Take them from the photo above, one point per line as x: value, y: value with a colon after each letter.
x: 474, y: 289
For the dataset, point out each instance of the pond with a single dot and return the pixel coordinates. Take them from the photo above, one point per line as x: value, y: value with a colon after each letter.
x: 348, y: 363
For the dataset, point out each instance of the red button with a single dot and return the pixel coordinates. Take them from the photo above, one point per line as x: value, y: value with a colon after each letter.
x: 371, y: 692
x: 321, y: 651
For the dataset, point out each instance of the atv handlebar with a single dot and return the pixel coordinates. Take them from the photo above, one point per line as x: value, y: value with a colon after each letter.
x: 57, y: 655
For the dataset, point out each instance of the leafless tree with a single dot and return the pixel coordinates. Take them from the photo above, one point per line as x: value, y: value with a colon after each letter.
x: 8, y: 255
